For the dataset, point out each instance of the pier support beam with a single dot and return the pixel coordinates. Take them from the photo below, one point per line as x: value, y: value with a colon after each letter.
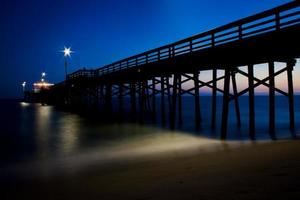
x: 153, y: 100
x: 169, y: 94
x: 142, y: 98
x: 147, y: 96
x: 214, y: 99
x: 197, y: 100
x: 174, y: 97
x: 251, y: 102
x: 225, y: 105
x: 133, y: 101
x: 96, y: 98
x: 121, y: 106
x: 236, y: 100
x: 271, y: 100
x: 163, y: 109
x: 180, y: 121
x: 102, y: 98
x: 290, y: 67
x: 108, y: 98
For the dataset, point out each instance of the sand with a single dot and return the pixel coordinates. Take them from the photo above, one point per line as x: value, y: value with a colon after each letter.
x: 268, y: 170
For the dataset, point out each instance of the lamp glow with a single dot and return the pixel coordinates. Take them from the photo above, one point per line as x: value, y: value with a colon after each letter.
x: 67, y: 52
x: 23, y: 86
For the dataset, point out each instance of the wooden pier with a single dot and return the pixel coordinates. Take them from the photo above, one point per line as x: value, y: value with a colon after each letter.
x: 268, y: 37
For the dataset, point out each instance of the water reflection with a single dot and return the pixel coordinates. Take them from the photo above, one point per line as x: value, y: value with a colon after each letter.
x: 53, y: 139
x: 56, y: 132
x: 161, y: 144
x: 43, y: 129
x: 24, y: 104
x: 68, y: 134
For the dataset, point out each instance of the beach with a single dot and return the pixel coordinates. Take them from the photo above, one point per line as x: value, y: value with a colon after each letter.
x: 150, y: 100
x: 256, y: 170
x: 51, y: 154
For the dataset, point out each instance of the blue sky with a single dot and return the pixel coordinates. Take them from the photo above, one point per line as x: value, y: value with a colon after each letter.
x: 33, y: 32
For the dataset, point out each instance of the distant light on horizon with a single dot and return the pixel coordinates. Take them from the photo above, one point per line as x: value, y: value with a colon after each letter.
x: 43, y: 84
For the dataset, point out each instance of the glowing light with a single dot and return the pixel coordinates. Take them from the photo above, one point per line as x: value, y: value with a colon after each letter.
x: 43, y: 74
x: 24, y: 84
x: 24, y: 104
x: 42, y: 80
x: 67, y: 52
x: 43, y: 84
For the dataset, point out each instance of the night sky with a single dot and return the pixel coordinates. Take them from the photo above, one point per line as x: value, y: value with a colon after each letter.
x: 33, y: 32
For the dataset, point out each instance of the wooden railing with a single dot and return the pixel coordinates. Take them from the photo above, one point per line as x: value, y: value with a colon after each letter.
x: 83, y: 73
x: 271, y: 20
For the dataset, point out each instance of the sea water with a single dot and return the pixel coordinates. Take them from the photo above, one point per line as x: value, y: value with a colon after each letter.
x: 37, y: 133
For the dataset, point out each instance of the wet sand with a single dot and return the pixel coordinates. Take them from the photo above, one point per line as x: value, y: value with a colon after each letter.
x: 267, y: 170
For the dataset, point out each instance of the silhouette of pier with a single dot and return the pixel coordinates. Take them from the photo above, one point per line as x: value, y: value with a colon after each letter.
x: 268, y: 37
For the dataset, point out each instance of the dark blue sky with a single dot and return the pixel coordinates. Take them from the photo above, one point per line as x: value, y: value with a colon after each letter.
x: 34, y: 31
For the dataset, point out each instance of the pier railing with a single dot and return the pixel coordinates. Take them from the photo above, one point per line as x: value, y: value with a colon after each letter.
x: 82, y: 73
x: 271, y: 20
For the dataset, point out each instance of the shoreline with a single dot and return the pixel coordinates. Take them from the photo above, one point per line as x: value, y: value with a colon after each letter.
x: 256, y: 171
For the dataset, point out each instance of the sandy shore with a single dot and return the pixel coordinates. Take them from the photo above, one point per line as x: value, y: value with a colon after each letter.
x: 269, y: 170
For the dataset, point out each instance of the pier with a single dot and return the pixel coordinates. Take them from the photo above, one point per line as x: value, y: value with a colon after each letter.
x: 265, y: 38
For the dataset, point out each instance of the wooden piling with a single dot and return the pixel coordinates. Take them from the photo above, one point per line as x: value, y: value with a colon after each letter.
x: 251, y: 102
x: 180, y: 121
x: 147, y: 96
x: 197, y: 100
x: 169, y: 93
x: 142, y: 99
x: 174, y: 97
x: 290, y: 66
x: 121, y: 105
x: 108, y: 98
x: 153, y: 100
x: 225, y: 105
x: 214, y: 99
x: 163, y: 109
x: 271, y: 100
x: 236, y: 100
x: 102, y: 97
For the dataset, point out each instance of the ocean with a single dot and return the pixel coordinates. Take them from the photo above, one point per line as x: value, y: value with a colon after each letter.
x: 36, y: 133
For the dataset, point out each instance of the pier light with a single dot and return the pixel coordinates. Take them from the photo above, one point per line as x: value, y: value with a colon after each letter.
x: 43, y: 77
x: 67, y: 53
x: 24, y: 85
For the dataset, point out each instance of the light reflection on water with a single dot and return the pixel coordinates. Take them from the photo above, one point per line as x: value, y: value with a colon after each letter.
x: 45, y: 139
x: 43, y: 129
x: 162, y: 144
x: 69, y: 131
x: 57, y: 134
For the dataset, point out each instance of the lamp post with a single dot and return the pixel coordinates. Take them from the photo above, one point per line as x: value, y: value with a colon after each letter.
x: 67, y: 53
x: 23, y: 86
x: 43, y: 77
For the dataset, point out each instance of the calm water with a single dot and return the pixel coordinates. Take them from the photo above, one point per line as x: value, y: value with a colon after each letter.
x: 33, y: 133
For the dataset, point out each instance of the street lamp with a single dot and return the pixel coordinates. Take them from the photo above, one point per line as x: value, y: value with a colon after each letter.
x: 67, y: 53
x: 24, y: 85
x: 43, y: 76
